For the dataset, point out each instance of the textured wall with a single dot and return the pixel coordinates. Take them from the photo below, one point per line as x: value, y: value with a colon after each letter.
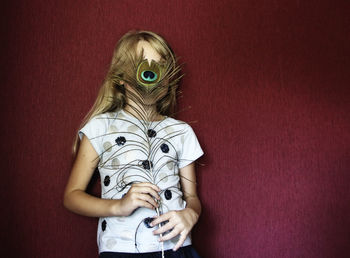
x: 267, y: 82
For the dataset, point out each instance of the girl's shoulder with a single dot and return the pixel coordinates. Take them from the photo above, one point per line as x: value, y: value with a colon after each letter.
x: 175, y: 122
x: 100, y: 122
x: 176, y: 126
x: 104, y: 118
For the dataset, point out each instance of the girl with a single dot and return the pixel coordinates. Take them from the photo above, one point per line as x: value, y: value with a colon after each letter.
x: 145, y: 158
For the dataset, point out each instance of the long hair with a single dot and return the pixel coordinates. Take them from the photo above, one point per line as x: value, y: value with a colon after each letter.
x: 112, y: 94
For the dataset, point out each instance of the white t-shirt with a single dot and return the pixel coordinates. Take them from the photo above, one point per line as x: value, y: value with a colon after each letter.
x: 132, y: 151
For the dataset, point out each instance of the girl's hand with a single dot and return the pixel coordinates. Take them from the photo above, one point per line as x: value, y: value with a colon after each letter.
x: 179, y: 222
x: 139, y: 195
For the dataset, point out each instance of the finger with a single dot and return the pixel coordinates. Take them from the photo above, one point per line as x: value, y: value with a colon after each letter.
x: 141, y: 203
x: 170, y: 235
x: 162, y: 218
x: 180, y: 242
x: 162, y: 229
x: 148, y: 190
x: 154, y: 187
x: 149, y: 199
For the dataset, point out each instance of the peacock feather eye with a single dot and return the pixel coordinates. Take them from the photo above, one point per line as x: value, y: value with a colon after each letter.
x: 148, y: 74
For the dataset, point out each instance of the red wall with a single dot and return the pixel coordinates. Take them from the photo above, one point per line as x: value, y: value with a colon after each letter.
x: 268, y: 83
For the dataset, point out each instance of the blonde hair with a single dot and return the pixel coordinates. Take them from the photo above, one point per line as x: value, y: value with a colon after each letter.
x: 111, y: 96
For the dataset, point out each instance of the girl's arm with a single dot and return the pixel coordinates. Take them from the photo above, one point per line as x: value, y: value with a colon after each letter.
x: 75, y: 197
x: 189, y: 188
x: 78, y: 201
x: 181, y: 222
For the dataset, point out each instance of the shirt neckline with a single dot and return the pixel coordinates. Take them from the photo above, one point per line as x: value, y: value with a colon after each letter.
x: 129, y: 116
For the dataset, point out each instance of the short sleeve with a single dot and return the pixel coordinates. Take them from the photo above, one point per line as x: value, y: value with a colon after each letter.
x: 94, y: 130
x: 191, y: 149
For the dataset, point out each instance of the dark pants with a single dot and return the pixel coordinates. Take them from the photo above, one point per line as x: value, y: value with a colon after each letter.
x: 183, y: 252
